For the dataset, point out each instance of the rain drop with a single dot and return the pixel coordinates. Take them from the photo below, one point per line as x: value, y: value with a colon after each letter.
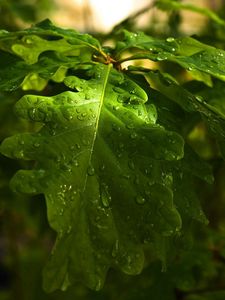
x: 133, y: 135
x: 140, y: 200
x: 69, y: 229
x: 21, y: 142
x: 28, y: 40
x: 116, y: 108
x: 80, y: 118
x: 76, y: 164
x: 130, y: 126
x: 90, y: 171
x: 170, y: 39
x: 131, y: 164
x: 36, y: 145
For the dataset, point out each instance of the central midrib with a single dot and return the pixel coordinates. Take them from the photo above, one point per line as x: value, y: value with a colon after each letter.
x: 97, y: 120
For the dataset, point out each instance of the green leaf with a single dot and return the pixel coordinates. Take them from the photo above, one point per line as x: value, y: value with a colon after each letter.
x: 175, y: 5
x: 29, y: 44
x: 15, y: 73
x: 100, y: 163
x: 212, y: 116
x: 189, y: 53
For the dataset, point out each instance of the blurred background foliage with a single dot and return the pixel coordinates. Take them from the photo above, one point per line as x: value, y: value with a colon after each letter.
x: 26, y: 239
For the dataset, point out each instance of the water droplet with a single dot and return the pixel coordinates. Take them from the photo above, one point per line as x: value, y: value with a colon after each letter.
x: 118, y: 90
x: 90, y: 171
x: 115, y: 248
x: 167, y: 233
x: 199, y: 98
x: 130, y: 126
x: 69, y: 229
x: 116, y: 108
x: 164, y: 267
x: 32, y: 113
x: 98, y: 285
x: 131, y: 164
x: 121, y: 146
x: 133, y: 91
x: 140, y: 199
x: 136, y: 179
x: 115, y: 127
x: 97, y: 218
x: 61, y: 212
x: 28, y: 40
x: 105, y: 195
x: 170, y: 39
x: 102, y: 168
x: 133, y: 135
x: 76, y: 164
x: 52, y: 132
x: 126, y: 176
x: 36, y: 145
x: 85, y: 142
x: 80, y: 118
x: 147, y: 193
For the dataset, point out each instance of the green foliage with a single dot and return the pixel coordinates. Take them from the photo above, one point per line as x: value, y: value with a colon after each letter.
x: 174, y: 5
x: 121, y: 155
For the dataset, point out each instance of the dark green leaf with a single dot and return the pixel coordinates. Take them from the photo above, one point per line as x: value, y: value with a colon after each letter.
x: 100, y: 163
x: 187, y: 52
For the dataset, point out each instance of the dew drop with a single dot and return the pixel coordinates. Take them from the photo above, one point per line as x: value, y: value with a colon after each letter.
x: 69, y: 229
x: 116, y: 108
x: 164, y: 267
x: 133, y: 91
x: 140, y: 200
x: 115, y: 248
x: 102, y: 168
x: 115, y: 127
x: 21, y: 142
x: 32, y: 113
x: 118, y: 90
x: 136, y: 179
x: 61, y: 212
x: 98, y: 285
x: 36, y: 145
x: 80, y: 118
x: 90, y: 171
x: 133, y: 135
x: 131, y: 164
x: 85, y: 142
x: 28, y: 41
x: 130, y: 126
x: 170, y: 39
x: 76, y: 164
